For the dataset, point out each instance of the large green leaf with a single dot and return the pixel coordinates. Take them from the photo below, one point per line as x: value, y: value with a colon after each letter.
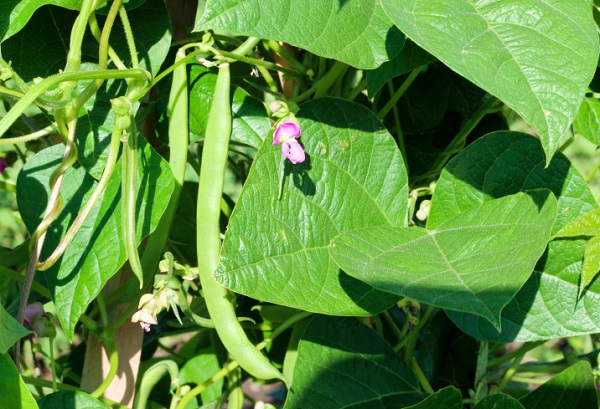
x: 251, y: 123
x: 353, y: 177
x: 344, y: 364
x: 355, y: 32
x: 474, y: 262
x: 11, y: 332
x: 574, y: 387
x: 70, y: 400
x: 504, y: 163
x: 537, y: 57
x: 96, y: 252
x: 14, y: 391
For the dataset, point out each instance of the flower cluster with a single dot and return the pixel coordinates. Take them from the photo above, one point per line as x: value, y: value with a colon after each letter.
x: 151, y: 305
x: 286, y: 134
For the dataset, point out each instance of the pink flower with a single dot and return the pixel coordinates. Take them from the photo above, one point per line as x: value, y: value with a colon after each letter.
x: 286, y: 134
x: 293, y: 151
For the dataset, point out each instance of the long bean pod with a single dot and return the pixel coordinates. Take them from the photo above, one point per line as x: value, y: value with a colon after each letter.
x: 210, y: 191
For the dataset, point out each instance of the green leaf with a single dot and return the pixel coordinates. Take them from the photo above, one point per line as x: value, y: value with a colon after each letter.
x: 499, y: 401
x: 587, y: 122
x: 251, y: 123
x: 367, y: 40
x: 14, y: 391
x: 591, y: 263
x: 70, y: 400
x: 410, y: 57
x: 500, y: 164
x: 14, y: 14
x: 198, y: 370
x: 586, y: 225
x: 96, y: 252
x: 574, y: 387
x: 11, y: 332
x: 268, y: 252
x: 475, y: 262
x: 344, y: 364
x: 537, y: 57
x: 447, y: 398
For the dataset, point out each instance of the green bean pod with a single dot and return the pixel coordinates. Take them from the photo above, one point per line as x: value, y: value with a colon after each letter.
x: 210, y: 191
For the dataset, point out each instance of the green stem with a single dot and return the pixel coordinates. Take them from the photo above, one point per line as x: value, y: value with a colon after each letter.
x: 421, y: 376
x: 30, y: 137
x: 398, y: 94
x: 77, y: 33
x: 97, y: 33
x: 113, y: 358
x: 356, y: 91
x: 398, y: 126
x: 150, y: 379
x: 39, y: 89
x: 335, y: 73
x: 275, y: 46
x: 16, y: 276
x: 129, y: 37
x: 247, y: 46
x: 493, y: 363
x: 231, y: 57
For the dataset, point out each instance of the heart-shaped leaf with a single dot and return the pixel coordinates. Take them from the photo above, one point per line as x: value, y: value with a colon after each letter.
x: 353, y: 177
x: 475, y: 262
x: 503, y: 163
x: 96, y: 252
x: 537, y: 57
x: 344, y: 364
x: 367, y: 40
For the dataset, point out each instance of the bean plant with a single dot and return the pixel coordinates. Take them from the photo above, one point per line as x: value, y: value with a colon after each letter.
x: 335, y: 203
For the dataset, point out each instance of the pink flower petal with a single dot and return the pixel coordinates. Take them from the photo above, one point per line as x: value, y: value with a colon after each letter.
x: 293, y: 151
x: 286, y: 132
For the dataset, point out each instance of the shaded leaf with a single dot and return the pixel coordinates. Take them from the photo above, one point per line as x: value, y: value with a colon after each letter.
x: 368, y: 39
x: 14, y: 391
x: 344, y: 364
x: 49, y: 29
x: 527, y: 53
x: 499, y: 401
x: 11, y: 331
x: 251, y: 123
x: 199, y: 369
x: 70, y: 400
x: 447, y: 398
x: 14, y: 14
x: 474, y: 262
x: 572, y: 388
x: 269, y: 254
x: 410, y: 57
x: 503, y: 163
x: 96, y: 252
